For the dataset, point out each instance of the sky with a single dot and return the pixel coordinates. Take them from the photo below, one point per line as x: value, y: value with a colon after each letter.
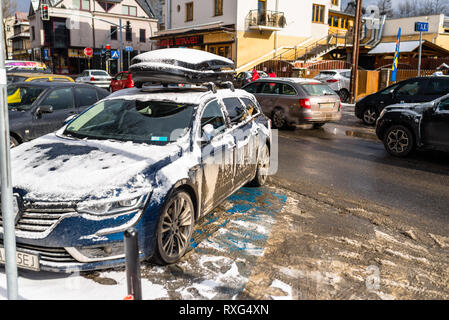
x: 23, y: 5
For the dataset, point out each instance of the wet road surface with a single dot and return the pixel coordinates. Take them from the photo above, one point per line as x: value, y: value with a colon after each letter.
x: 346, y: 161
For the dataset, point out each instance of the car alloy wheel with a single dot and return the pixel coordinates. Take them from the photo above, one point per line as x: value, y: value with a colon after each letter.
x: 279, y: 120
x: 369, y: 116
x: 344, y: 95
x: 263, y: 166
x: 399, y: 141
x: 175, y: 228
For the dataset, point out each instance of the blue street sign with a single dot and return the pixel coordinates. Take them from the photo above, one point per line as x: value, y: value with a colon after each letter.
x: 422, y: 27
x: 129, y: 49
x: 115, y: 54
x: 46, y: 55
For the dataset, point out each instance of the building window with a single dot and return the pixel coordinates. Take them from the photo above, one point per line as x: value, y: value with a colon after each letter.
x: 335, y: 2
x: 81, y: 4
x: 218, y: 7
x: 142, y: 35
x: 337, y: 22
x: 113, y: 33
x: 129, y: 10
x: 189, y: 11
x: 106, y: 5
x: 33, y: 34
x: 318, y: 13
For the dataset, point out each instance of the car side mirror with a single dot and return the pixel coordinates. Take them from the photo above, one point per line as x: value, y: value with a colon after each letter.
x: 44, y: 109
x: 208, y: 132
x: 70, y: 118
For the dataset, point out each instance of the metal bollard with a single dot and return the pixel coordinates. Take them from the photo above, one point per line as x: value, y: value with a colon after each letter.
x: 133, y: 264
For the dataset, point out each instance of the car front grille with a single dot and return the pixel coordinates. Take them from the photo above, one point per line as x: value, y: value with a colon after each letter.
x: 47, y: 254
x: 40, y: 218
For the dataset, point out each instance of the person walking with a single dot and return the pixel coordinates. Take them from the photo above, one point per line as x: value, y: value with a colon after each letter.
x: 255, y: 75
x: 271, y: 73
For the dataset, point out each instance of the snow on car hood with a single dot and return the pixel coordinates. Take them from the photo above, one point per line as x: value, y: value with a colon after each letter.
x: 53, y: 168
x: 417, y: 107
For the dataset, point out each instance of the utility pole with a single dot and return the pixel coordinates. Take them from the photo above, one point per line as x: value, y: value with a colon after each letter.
x: 121, y: 47
x: 9, y: 236
x: 355, y: 51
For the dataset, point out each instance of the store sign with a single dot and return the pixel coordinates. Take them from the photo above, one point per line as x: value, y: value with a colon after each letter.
x: 181, y: 41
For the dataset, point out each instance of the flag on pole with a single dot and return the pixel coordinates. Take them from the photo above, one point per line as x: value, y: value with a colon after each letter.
x: 396, y: 58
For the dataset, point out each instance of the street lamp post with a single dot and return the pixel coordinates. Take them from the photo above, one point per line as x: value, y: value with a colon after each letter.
x: 355, y: 50
x: 7, y: 208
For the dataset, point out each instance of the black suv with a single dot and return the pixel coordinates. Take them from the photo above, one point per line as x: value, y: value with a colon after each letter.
x: 39, y: 108
x: 415, y: 90
x: 404, y: 127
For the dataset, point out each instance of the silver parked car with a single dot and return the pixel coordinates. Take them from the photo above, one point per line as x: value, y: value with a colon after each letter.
x: 338, y: 80
x: 290, y: 101
x: 99, y: 78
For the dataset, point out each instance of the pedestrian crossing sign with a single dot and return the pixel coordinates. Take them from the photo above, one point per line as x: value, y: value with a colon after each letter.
x: 115, y: 54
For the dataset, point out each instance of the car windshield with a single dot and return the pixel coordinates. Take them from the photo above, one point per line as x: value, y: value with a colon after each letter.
x: 99, y: 73
x: 153, y: 122
x: 22, y: 97
x: 317, y: 89
x: 327, y: 73
x: 13, y: 79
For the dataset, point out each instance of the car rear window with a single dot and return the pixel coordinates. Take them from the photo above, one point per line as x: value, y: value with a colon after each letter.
x: 99, y: 73
x: 328, y: 73
x: 317, y: 89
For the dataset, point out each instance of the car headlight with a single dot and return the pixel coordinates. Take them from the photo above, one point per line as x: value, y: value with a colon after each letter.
x: 101, y: 207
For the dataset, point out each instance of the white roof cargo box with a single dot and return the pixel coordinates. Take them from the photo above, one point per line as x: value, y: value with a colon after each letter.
x: 180, y: 65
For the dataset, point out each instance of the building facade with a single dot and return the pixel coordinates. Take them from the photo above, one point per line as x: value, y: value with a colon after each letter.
x: 74, y: 25
x: 438, y: 29
x: 20, y: 40
x: 247, y: 31
x: 8, y: 26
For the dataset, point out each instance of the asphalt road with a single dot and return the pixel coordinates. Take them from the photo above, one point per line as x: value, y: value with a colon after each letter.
x: 344, y: 161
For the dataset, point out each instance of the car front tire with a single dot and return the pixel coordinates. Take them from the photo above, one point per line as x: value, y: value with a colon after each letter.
x: 13, y: 142
x: 399, y: 141
x: 369, y: 116
x: 174, y: 229
x: 263, y: 166
x: 279, y: 120
x: 344, y: 95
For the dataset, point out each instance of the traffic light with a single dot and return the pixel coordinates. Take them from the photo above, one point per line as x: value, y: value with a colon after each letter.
x: 128, y: 26
x: 108, y: 52
x: 44, y: 12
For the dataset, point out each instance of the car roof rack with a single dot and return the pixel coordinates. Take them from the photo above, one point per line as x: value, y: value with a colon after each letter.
x: 209, y: 86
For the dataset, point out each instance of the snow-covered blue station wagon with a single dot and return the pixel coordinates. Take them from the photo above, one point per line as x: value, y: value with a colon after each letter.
x: 153, y: 158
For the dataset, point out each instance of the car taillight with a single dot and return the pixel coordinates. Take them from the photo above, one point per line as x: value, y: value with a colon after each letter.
x: 332, y: 80
x: 92, y: 79
x: 305, y: 103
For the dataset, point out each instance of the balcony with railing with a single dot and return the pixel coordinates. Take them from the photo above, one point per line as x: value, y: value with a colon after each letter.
x: 266, y: 20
